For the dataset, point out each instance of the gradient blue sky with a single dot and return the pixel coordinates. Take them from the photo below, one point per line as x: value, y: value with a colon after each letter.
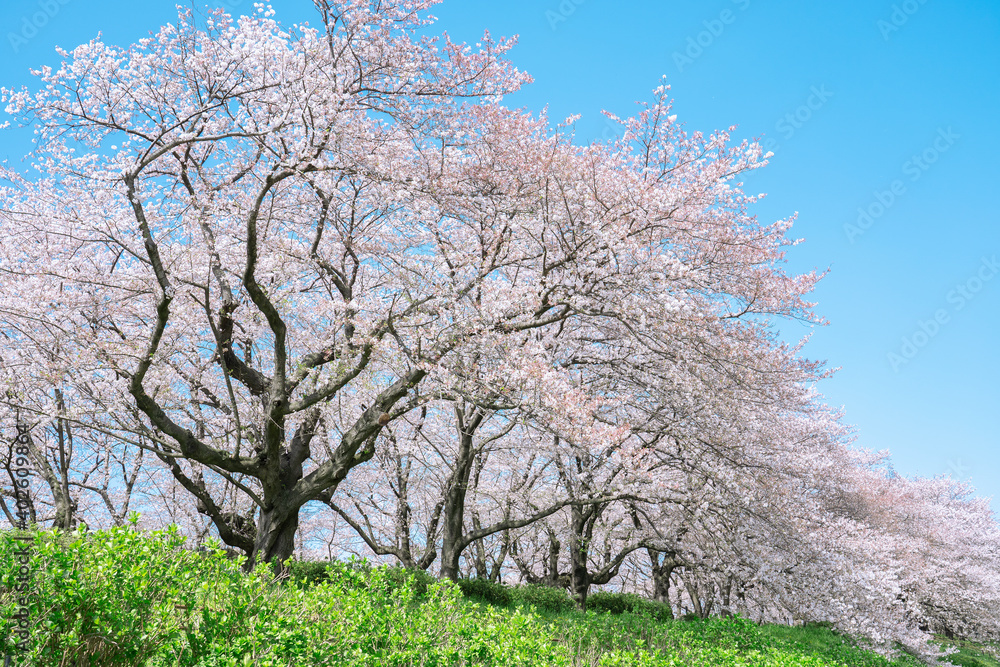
x: 887, y: 107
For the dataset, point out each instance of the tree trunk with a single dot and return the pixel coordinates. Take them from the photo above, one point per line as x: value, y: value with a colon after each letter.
x: 579, y: 581
x: 275, y: 542
x: 726, y: 593
x: 65, y: 505
x: 58, y: 483
x: 702, y: 607
x: 552, y: 567
x: 663, y: 566
x: 661, y: 585
x: 453, y: 533
x: 450, y: 555
x: 579, y: 575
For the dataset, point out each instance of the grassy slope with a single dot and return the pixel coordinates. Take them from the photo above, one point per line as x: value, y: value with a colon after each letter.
x: 822, y: 640
x: 971, y: 654
x: 123, y: 598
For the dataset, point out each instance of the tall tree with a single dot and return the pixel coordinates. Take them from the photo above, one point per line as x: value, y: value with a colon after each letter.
x: 247, y: 188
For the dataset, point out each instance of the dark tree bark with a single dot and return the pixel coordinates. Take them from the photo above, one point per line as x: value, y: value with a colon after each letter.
x: 453, y: 534
x: 581, y: 575
x: 550, y: 564
x: 589, y: 505
x: 663, y: 565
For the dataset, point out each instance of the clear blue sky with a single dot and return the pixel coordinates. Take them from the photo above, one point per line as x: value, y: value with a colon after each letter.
x: 887, y: 107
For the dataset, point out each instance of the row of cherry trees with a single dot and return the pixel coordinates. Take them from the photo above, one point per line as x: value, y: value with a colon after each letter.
x: 316, y: 289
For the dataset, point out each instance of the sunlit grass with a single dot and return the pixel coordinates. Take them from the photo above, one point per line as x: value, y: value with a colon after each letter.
x: 121, y: 597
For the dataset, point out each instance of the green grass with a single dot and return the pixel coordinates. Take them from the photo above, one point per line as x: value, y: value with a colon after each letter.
x: 120, y: 597
x: 819, y: 639
x: 970, y: 654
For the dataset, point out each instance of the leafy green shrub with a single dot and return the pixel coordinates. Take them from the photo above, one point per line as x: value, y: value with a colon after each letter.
x: 420, y: 581
x: 661, y: 611
x: 629, y: 603
x: 305, y: 573
x: 119, y: 597
x: 492, y: 592
x: 545, y: 598
x: 613, y: 603
x: 110, y: 598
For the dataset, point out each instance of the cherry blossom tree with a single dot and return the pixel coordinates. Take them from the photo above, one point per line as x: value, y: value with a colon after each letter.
x: 236, y: 184
x: 85, y: 476
x: 266, y: 238
x: 255, y: 269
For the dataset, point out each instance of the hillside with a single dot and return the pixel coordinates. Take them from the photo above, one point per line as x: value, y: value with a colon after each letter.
x: 122, y: 597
